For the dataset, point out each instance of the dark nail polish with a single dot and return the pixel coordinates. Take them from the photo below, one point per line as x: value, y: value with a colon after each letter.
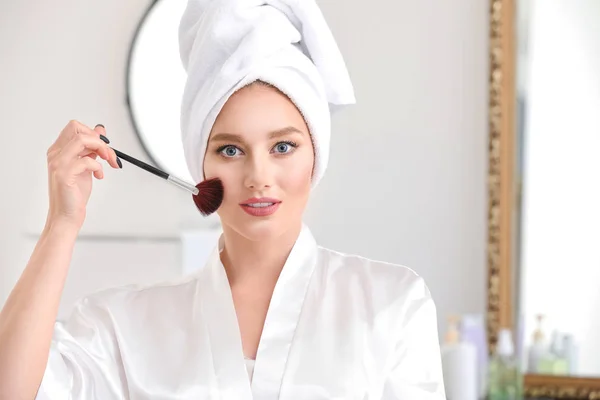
x: 119, y: 162
x: 97, y: 125
x: 104, y: 139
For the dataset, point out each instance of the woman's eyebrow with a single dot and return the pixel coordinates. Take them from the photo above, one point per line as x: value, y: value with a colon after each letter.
x: 284, y: 131
x: 231, y: 137
x: 226, y: 137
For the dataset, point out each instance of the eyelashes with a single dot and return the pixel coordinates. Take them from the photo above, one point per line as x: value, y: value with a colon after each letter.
x: 222, y: 150
x: 281, y: 148
x: 289, y: 143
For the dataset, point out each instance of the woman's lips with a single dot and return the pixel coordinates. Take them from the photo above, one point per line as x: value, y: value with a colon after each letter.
x: 260, y: 207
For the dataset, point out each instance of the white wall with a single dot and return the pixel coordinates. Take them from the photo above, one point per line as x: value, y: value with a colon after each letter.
x: 561, y: 191
x: 407, y: 175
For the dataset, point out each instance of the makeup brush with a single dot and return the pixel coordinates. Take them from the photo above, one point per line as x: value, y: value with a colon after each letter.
x: 207, y: 195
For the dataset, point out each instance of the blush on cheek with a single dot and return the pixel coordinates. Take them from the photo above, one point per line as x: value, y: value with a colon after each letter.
x: 298, y: 180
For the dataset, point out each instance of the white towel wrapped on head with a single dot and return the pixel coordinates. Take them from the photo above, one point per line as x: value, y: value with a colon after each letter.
x: 228, y: 44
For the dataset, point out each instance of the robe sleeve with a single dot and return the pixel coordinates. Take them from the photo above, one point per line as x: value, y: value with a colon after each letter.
x: 84, y: 360
x: 415, y: 369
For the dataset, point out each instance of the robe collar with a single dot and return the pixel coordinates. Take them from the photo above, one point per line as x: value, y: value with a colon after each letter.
x: 216, y: 303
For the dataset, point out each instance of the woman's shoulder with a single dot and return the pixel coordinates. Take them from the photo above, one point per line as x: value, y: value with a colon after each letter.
x: 167, y: 294
x: 372, y: 274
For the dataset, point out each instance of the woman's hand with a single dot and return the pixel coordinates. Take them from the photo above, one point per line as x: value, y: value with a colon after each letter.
x: 72, y: 160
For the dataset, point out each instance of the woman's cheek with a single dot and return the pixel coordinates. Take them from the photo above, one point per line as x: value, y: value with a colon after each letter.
x: 297, y: 177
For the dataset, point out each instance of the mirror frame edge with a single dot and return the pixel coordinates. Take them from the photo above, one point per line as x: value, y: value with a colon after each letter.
x: 502, y: 202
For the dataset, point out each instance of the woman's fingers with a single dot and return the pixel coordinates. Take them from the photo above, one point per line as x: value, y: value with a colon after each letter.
x: 74, y: 139
x: 72, y: 129
x: 87, y: 164
x: 101, y: 130
x: 84, y: 144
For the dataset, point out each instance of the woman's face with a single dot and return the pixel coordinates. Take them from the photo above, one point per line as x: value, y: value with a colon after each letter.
x: 261, y: 149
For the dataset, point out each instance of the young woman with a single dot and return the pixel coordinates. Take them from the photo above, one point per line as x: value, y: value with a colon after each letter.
x: 272, y: 314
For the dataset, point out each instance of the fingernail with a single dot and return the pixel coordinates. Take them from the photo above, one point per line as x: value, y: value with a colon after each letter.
x: 97, y: 125
x: 104, y: 139
x: 119, y: 162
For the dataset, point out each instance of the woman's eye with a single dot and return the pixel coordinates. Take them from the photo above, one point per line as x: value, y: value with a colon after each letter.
x: 283, y: 147
x: 230, y: 151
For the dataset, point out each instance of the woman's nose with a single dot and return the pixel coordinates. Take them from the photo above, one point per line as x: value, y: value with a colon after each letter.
x: 258, y: 174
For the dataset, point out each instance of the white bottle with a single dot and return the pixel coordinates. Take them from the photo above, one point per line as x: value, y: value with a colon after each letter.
x: 570, y: 351
x: 459, y: 364
x: 538, y: 349
x: 473, y: 330
x: 556, y: 344
x: 560, y: 365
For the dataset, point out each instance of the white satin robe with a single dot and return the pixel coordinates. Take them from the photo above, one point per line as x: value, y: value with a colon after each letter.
x: 338, y: 327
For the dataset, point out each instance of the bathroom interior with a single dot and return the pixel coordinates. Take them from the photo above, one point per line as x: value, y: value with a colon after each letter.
x: 477, y: 125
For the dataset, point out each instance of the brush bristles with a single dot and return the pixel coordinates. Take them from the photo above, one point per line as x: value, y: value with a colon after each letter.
x: 210, y: 196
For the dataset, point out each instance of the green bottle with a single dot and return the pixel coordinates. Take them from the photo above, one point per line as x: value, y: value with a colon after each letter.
x: 505, y: 379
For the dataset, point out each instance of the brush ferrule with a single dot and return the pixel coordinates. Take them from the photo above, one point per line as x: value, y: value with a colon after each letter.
x: 183, y: 184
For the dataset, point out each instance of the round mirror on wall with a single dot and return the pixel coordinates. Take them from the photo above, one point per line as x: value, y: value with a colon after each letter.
x: 155, y: 81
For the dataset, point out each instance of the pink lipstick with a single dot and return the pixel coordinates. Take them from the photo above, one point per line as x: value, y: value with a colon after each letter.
x: 260, y: 207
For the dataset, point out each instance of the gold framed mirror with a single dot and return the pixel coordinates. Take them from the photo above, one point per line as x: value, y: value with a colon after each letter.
x: 544, y: 85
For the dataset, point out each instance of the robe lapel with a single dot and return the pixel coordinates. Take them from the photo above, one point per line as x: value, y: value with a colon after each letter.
x: 223, y: 330
x: 282, y: 317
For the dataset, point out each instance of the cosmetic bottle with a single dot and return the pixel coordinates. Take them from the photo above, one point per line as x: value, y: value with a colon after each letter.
x: 571, y: 354
x: 459, y: 365
x: 473, y: 330
x: 505, y: 379
x: 538, y: 350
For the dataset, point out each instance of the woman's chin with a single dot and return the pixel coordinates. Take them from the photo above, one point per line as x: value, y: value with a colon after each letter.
x: 263, y: 229
x: 252, y: 228
x: 260, y: 228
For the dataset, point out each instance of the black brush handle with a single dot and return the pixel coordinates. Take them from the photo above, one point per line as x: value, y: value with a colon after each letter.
x: 142, y: 164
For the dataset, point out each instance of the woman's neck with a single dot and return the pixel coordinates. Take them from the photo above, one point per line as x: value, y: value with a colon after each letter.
x: 246, y: 260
